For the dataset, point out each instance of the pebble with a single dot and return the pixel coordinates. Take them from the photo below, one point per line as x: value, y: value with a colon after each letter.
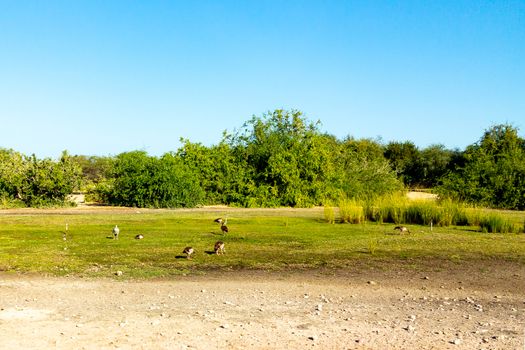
x: 313, y: 337
x: 372, y: 283
x: 410, y: 328
x: 456, y: 341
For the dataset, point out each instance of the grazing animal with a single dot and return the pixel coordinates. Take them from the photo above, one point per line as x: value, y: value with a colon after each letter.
x: 219, y: 247
x: 402, y: 229
x: 139, y: 236
x: 188, y: 251
x: 116, y: 231
x: 224, y: 228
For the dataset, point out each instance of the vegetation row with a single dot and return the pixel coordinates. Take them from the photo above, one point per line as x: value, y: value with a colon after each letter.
x: 279, y: 159
x: 397, y: 209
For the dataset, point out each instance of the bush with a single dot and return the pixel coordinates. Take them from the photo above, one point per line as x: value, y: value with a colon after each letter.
x: 143, y: 181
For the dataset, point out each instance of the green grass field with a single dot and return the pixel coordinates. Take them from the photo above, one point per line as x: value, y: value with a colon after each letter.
x: 272, y: 239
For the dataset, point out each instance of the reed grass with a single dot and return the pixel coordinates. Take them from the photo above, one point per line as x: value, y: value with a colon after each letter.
x: 351, y: 211
x: 397, y: 209
x: 329, y: 214
x: 495, y: 223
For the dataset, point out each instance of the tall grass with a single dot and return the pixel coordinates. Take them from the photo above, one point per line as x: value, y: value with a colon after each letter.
x: 388, y: 208
x: 329, y: 214
x: 493, y: 223
x: 398, y: 209
x: 351, y: 211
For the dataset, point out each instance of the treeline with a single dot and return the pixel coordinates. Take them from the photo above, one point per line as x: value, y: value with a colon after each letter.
x: 279, y: 159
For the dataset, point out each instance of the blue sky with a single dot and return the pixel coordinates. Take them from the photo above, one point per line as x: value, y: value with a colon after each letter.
x: 105, y: 77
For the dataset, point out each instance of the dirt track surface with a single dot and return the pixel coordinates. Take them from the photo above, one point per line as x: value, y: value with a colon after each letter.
x: 444, y: 309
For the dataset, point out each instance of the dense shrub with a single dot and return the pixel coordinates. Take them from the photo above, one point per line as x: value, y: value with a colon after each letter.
x: 140, y: 180
x: 491, y: 173
x: 36, y: 182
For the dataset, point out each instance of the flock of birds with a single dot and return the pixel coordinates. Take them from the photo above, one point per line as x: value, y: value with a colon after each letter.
x: 218, y: 248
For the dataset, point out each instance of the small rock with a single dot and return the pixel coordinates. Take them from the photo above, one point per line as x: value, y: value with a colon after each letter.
x: 372, y: 283
x: 313, y: 337
x: 409, y: 328
x: 225, y: 326
x: 456, y: 341
x: 412, y: 318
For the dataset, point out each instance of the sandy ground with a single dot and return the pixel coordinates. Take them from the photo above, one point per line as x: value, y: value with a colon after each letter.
x: 443, y: 308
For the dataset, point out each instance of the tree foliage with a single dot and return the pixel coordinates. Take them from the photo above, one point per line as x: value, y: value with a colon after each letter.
x: 37, y: 182
x: 139, y: 180
x: 278, y: 159
x: 492, y: 171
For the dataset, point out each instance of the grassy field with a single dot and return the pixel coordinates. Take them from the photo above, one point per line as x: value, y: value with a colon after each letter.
x: 270, y: 239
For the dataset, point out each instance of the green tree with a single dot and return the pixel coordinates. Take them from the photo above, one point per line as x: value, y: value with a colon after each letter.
x: 48, y: 182
x: 431, y: 165
x: 220, y: 174
x: 139, y: 180
x: 364, y: 171
x: 492, y: 171
x: 403, y: 156
x: 13, y: 168
x: 283, y: 164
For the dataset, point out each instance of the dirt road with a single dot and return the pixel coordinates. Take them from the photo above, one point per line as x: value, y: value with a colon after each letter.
x: 467, y: 308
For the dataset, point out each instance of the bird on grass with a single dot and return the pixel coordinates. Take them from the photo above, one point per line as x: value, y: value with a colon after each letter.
x: 188, y: 251
x: 219, y: 248
x: 115, y: 231
x: 139, y: 236
x: 224, y: 228
x: 219, y: 220
x: 402, y: 229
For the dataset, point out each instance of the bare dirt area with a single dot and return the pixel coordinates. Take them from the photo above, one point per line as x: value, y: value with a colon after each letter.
x: 446, y: 307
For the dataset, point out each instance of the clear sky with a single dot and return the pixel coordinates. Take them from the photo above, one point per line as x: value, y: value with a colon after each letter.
x: 101, y: 77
